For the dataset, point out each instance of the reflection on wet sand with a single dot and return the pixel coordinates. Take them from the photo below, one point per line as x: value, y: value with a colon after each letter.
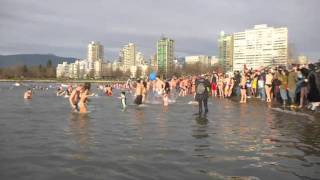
x: 305, y: 134
x: 201, y: 127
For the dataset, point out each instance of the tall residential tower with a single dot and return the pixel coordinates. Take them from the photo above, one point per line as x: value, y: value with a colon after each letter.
x: 95, y: 58
x: 129, y: 56
x: 165, y: 56
x: 260, y: 46
x: 95, y: 51
x: 226, y: 51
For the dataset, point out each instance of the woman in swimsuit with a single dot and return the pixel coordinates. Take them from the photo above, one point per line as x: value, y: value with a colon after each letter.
x: 231, y: 84
x: 254, y: 85
x: 220, y: 85
x: 226, y: 85
x: 214, y: 85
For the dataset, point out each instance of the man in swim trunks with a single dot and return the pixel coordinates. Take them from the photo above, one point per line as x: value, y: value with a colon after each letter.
x: 159, y: 86
x: 74, y: 98
x: 138, y: 94
x: 173, y: 82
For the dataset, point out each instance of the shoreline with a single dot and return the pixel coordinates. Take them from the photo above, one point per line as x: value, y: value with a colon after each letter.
x: 274, y: 106
x: 60, y: 81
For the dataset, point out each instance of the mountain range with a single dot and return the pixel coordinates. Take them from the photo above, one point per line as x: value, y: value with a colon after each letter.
x: 32, y: 59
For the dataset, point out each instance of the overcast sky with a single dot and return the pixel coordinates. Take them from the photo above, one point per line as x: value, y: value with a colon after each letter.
x: 65, y: 27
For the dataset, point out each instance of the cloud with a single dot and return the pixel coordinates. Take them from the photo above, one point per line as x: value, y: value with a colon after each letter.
x: 65, y: 27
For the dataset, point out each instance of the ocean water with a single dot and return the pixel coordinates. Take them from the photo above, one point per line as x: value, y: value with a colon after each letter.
x: 43, y: 139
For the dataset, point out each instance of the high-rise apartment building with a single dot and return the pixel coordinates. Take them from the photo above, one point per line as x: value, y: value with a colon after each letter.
x: 129, y: 56
x: 95, y: 51
x: 165, y: 56
x: 260, y: 46
x: 95, y: 54
x: 92, y: 67
x: 225, y: 43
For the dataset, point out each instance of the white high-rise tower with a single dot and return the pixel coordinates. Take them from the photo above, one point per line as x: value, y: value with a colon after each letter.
x: 260, y: 46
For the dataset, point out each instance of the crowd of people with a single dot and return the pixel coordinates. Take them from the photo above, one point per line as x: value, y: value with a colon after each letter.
x: 295, y: 87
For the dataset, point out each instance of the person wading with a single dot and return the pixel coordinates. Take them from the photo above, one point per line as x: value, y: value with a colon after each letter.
x: 202, y: 93
x: 139, y: 89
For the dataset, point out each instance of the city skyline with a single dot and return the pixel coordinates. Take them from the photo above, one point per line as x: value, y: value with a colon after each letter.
x: 55, y: 27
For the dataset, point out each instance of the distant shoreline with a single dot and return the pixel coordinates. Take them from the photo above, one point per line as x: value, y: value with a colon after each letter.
x: 60, y: 81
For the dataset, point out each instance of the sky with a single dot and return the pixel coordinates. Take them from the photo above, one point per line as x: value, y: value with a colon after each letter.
x: 65, y: 27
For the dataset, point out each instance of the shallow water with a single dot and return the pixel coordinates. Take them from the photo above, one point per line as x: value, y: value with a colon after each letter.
x: 42, y: 139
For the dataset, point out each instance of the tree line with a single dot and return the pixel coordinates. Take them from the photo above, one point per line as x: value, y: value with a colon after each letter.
x: 25, y: 72
x: 48, y: 71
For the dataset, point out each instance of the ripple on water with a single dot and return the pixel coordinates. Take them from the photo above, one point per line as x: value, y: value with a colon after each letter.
x: 41, y: 139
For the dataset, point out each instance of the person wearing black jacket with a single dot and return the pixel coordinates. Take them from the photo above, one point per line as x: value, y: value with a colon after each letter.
x: 314, y: 91
x: 202, y: 93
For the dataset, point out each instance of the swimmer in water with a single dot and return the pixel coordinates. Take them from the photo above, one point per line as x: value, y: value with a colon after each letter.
x: 159, y: 86
x: 166, y: 99
x: 166, y: 94
x: 84, y: 98
x: 69, y: 90
x: 138, y: 94
x: 108, y: 90
x: 74, y: 98
x: 28, y: 94
x: 60, y: 91
x: 123, y: 99
x: 144, y: 92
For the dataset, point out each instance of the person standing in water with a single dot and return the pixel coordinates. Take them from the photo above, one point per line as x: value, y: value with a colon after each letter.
x: 243, y: 88
x: 159, y: 86
x: 214, y: 84
x: 166, y: 94
x: 144, y: 92
x: 268, y: 85
x: 138, y: 94
x: 84, y: 98
x: 108, y: 90
x: 202, y: 93
x: 123, y: 99
x: 28, y: 94
x: 74, y: 98
x: 79, y: 98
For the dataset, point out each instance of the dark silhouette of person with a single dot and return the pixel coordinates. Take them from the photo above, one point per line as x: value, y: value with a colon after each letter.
x: 202, y: 93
